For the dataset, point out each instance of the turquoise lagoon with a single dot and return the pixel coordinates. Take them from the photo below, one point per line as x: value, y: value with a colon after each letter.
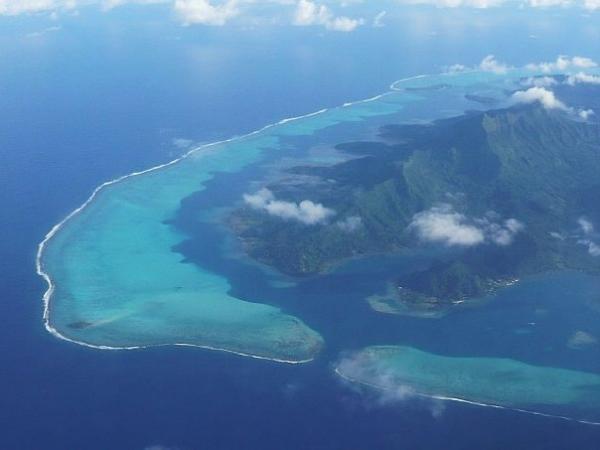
x: 119, y: 284
x: 487, y: 381
x: 117, y: 278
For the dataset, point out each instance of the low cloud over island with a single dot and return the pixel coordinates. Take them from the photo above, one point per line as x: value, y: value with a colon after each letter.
x: 444, y: 225
x: 306, y: 211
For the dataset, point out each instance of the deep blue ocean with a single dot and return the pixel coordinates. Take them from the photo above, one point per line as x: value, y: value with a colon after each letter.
x: 108, y: 94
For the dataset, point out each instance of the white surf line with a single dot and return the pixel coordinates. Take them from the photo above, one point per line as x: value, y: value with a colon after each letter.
x: 291, y: 119
x: 393, y: 86
x: 54, y: 230
x: 416, y: 77
x: 180, y: 344
x: 508, y: 408
x: 469, y: 402
x: 367, y: 100
x: 472, y: 70
x: 42, y: 245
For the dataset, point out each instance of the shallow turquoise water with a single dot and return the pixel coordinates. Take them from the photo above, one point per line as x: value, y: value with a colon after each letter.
x: 118, y: 282
x: 117, y: 275
x: 492, y: 381
x: 121, y: 278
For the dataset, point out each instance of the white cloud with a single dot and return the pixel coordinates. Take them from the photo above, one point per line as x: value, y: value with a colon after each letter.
x: 182, y: 143
x: 490, y: 64
x: 378, y: 20
x: 442, y: 224
x: 483, y: 4
x: 563, y: 63
x: 581, y: 339
x: 306, y: 212
x: 593, y: 248
x: 309, y: 13
x: 539, y: 81
x: 503, y: 234
x: 549, y: 3
x: 204, y: 12
x: 110, y: 4
x: 586, y: 226
x: 343, y: 23
x: 487, y: 64
x: 15, y: 7
x: 47, y: 30
x: 456, y: 68
x: 479, y: 4
x: 390, y: 389
x: 591, y: 4
x: 350, y: 224
x: 540, y: 95
x: 582, y: 62
x: 587, y: 229
x: 583, y: 78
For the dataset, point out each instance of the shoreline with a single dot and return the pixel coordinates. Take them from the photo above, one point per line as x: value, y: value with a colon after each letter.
x: 469, y: 402
x: 47, y: 296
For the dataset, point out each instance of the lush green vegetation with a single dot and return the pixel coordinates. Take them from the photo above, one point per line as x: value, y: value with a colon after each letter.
x: 540, y: 167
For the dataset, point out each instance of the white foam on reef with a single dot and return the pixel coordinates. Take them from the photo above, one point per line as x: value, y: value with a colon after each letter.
x: 54, y: 230
x: 292, y: 119
x: 394, y: 87
x: 526, y: 411
x: 42, y: 245
x: 416, y: 77
x: 471, y: 402
x: 366, y: 100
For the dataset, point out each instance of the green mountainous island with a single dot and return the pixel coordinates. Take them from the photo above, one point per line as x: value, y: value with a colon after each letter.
x: 501, y: 194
